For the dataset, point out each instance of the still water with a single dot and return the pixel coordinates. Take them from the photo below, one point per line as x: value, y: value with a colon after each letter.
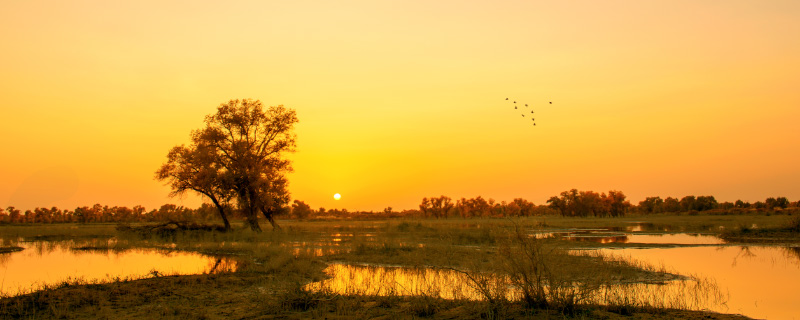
x: 48, y: 263
x: 607, y: 236
x: 761, y: 282
x: 758, y: 282
x: 395, y: 281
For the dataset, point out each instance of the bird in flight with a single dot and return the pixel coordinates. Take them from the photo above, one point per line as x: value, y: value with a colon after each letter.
x: 526, y: 105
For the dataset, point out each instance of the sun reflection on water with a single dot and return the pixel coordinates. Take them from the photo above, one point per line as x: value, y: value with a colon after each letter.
x: 51, y: 262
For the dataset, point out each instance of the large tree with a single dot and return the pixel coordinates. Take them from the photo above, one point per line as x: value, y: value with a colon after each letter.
x: 249, y: 143
x: 238, y: 155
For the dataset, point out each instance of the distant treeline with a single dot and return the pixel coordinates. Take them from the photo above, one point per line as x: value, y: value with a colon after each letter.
x: 572, y: 203
x: 100, y: 213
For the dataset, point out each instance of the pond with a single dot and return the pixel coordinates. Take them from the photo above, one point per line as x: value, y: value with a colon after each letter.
x: 761, y: 281
x: 52, y: 262
x: 755, y: 281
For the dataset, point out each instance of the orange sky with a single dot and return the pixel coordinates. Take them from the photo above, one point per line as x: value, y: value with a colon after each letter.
x: 400, y: 100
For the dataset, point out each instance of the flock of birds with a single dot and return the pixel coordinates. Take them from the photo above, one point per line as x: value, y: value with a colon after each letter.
x: 526, y: 106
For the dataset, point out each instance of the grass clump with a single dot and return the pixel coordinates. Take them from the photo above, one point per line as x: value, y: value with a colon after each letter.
x: 788, y: 231
x: 9, y: 249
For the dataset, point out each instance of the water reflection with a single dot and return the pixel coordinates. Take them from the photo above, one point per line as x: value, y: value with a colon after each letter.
x: 395, y: 281
x: 676, y: 238
x: 793, y: 253
x: 761, y: 281
x: 640, y: 226
x: 48, y: 263
x: 598, y: 238
x: 604, y: 236
x: 448, y: 284
x: 317, y: 251
x: 758, y: 282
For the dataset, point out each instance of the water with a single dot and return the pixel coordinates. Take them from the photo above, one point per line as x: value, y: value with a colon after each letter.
x: 372, y: 280
x: 634, y: 235
x: 671, y: 238
x: 761, y: 282
x: 49, y: 263
x: 395, y: 281
x: 756, y: 281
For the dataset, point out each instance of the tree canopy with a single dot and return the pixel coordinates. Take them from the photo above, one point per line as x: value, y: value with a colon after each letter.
x: 237, y: 157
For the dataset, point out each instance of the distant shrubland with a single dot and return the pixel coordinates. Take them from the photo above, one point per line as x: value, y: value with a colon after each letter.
x: 572, y: 203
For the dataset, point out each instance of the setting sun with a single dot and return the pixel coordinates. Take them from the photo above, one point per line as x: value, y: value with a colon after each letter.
x: 648, y: 135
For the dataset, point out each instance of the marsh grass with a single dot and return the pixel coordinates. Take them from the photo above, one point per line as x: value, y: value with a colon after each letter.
x: 9, y: 249
x: 56, y: 232
x: 518, y: 270
x: 787, y: 231
x: 494, y: 258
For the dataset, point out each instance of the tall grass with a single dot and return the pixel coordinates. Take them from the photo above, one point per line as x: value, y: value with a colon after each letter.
x: 497, y: 265
x: 547, y: 276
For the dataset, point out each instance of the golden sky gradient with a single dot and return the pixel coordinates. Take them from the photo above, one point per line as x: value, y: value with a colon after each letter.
x: 400, y: 100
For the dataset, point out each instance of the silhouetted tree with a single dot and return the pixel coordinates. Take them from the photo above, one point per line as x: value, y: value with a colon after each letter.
x: 741, y: 204
x: 274, y: 196
x: 475, y: 207
x: 14, y: 215
x: 727, y: 205
x: 703, y: 203
x: 616, y: 203
x: 566, y: 202
x: 576, y: 203
x: 780, y: 202
x: 301, y: 210
x: 672, y: 205
x: 239, y: 154
x: 436, y: 207
x: 526, y: 208
x: 652, y: 205
x: 687, y: 203
x: 194, y: 168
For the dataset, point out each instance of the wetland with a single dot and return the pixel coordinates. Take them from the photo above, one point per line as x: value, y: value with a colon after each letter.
x: 538, y: 267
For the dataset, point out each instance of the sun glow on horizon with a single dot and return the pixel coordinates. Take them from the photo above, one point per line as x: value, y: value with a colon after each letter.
x: 337, y: 196
x: 403, y: 100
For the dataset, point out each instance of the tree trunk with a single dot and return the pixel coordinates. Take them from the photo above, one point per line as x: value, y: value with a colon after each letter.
x: 270, y: 217
x: 252, y: 215
x: 221, y: 213
x: 252, y: 219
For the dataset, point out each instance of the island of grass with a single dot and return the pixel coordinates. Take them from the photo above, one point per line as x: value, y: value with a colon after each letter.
x: 10, y: 249
x: 788, y: 232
